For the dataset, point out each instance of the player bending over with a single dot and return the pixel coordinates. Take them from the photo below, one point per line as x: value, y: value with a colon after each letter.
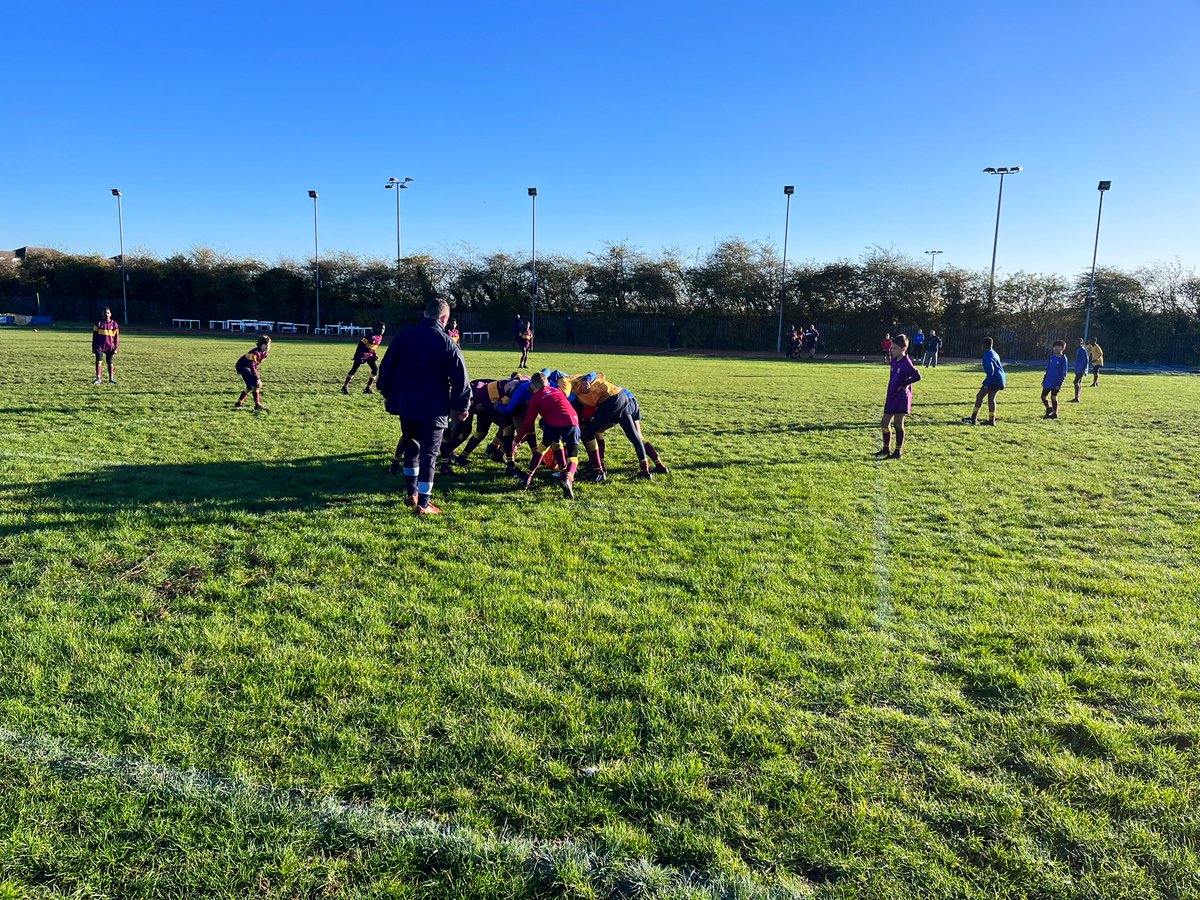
x: 560, y: 431
x: 604, y: 405
x: 247, y: 367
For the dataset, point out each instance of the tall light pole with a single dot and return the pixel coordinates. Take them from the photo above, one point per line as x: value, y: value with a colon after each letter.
x: 933, y: 255
x: 533, y: 245
x: 1091, y: 297
x: 1001, y: 171
x: 788, y: 190
x: 399, y: 186
x: 316, y: 258
x: 116, y: 192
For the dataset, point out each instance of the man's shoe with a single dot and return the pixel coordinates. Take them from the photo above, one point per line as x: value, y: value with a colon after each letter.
x: 1073, y: 400
x: 646, y: 474
x: 459, y: 460
x: 445, y: 470
x: 600, y: 477
x: 568, y: 489
x: 882, y: 454
x: 112, y: 381
x: 1052, y: 416
x: 895, y: 454
x: 526, y: 482
x: 235, y: 406
x: 661, y: 469
x: 345, y: 389
x: 989, y: 423
x: 429, y: 510
x: 410, y: 500
x: 96, y: 381
x: 368, y: 390
x: 511, y: 471
x: 261, y: 408
x: 969, y: 421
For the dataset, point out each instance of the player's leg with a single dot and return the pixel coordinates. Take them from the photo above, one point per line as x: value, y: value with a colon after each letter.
x: 1054, y: 404
x: 974, y: 417
x: 570, y: 445
x: 350, y: 376
x: 108, y: 358
x: 99, y: 359
x: 899, y: 426
x: 258, y: 389
x: 430, y: 439
x: 991, y: 400
x: 885, y: 425
x: 374, y: 374
x: 1078, y: 386
x: 1046, y: 402
x: 409, y: 449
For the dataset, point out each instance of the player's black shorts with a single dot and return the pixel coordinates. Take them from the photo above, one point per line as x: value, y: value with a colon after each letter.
x: 249, y: 376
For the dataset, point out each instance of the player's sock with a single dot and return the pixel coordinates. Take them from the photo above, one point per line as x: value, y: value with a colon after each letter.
x: 644, y: 471
x: 600, y: 445
x: 424, y: 492
x: 572, y: 468
x: 887, y: 440
x: 560, y: 456
x: 410, y: 480
x: 899, y: 440
x: 593, y: 452
x: 346, y: 386
x: 370, y: 384
x: 660, y: 467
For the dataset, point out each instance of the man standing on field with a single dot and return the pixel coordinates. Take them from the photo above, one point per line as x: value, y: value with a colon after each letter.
x: 423, y: 379
x: 105, y: 338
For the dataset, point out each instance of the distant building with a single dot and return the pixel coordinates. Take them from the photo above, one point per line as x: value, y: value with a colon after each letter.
x: 12, y: 257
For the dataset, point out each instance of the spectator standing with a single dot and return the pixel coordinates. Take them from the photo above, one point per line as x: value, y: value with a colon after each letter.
x: 673, y: 336
x: 570, y: 330
x: 886, y: 344
x: 932, y: 346
x: 423, y: 379
x: 918, y: 343
x: 811, y: 338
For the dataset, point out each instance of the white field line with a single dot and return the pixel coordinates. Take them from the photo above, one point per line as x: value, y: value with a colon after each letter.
x: 86, y: 462
x: 542, y: 860
x: 884, y: 613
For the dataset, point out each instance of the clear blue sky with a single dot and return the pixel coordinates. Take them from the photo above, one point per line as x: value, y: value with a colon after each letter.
x: 661, y: 124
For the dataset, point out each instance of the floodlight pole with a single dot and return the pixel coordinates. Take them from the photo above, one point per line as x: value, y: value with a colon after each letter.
x: 399, y: 186
x: 1091, y: 297
x: 533, y: 244
x: 788, y: 190
x: 316, y: 258
x: 116, y: 192
x: 1001, y: 171
x: 933, y: 255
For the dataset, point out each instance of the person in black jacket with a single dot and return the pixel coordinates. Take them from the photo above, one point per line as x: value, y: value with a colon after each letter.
x: 424, y: 381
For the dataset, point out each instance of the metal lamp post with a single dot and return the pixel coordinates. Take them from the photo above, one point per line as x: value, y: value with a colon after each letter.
x: 1091, y: 297
x: 116, y: 192
x: 933, y: 255
x: 1001, y: 171
x: 788, y: 190
x: 399, y: 186
x: 533, y: 245
x: 316, y: 258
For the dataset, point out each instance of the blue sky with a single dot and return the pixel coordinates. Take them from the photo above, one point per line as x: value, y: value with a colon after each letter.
x: 664, y: 125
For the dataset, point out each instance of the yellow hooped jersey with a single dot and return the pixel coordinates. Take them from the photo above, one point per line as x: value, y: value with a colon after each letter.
x: 591, y: 393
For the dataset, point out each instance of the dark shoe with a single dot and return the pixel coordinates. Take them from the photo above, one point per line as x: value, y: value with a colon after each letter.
x: 882, y: 454
x: 1073, y: 400
x: 1052, y: 416
x: 645, y: 475
x: 568, y: 489
x: 661, y: 469
x: 445, y: 470
x: 969, y: 421
x: 989, y: 423
x: 895, y: 454
x: 371, y: 391
x: 235, y: 406
x: 261, y: 408
x: 394, y: 468
x: 410, y: 500
x: 459, y: 460
x: 526, y: 482
x: 345, y: 389
x: 495, y: 454
x: 513, y: 472
x: 600, y: 477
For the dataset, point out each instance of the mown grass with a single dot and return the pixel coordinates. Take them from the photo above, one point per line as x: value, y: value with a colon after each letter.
x: 785, y: 669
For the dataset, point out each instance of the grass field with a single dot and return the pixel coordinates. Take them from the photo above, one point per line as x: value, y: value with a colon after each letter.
x: 232, y: 662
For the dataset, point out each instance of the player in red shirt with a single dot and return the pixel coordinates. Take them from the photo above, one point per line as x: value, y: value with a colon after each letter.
x: 560, y: 430
x: 106, y: 335
x: 367, y: 352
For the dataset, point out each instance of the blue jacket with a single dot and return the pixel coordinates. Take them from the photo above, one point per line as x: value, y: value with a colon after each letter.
x: 1081, y: 361
x: 518, y: 398
x: 993, y: 371
x: 423, y: 376
x: 1056, y: 373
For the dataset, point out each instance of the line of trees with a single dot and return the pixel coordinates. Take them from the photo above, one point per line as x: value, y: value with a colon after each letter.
x: 730, y: 294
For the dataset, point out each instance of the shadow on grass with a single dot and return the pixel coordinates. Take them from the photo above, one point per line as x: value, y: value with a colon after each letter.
x: 171, y: 494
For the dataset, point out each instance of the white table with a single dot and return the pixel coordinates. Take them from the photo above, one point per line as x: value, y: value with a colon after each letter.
x: 475, y: 337
x: 186, y: 323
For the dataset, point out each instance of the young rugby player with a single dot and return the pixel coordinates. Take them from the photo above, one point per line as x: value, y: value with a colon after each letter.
x: 993, y: 382
x: 898, y: 403
x: 525, y: 342
x: 106, y: 335
x: 247, y: 367
x: 1096, y: 358
x: 560, y: 430
x: 1052, y: 381
x: 603, y: 405
x: 367, y: 351
x: 1081, y: 368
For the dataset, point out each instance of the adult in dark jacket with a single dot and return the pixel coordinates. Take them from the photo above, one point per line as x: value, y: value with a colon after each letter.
x: 424, y: 381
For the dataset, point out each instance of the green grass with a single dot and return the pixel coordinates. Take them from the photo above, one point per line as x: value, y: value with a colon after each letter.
x: 233, y: 663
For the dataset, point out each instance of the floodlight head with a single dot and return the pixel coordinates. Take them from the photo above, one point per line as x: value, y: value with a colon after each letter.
x: 406, y: 180
x: 533, y: 192
x: 789, y: 189
x: 1104, y: 186
x: 1012, y: 169
x: 990, y: 170
x: 116, y: 192
x: 313, y: 194
x: 392, y: 182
